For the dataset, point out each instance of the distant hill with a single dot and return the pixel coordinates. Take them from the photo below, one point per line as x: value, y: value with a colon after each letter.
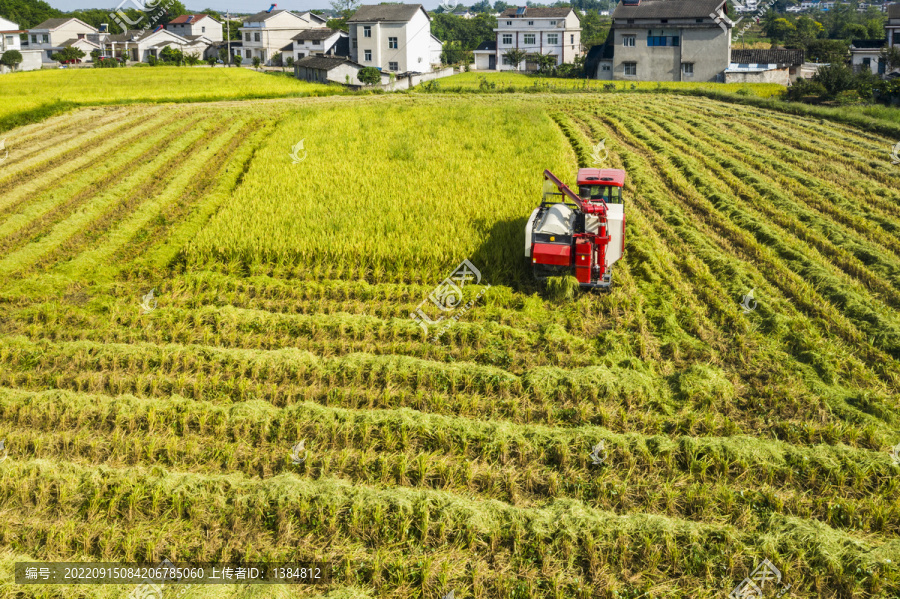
x: 28, y: 13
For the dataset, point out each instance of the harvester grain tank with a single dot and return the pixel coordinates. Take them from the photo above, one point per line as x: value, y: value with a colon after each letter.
x: 581, y: 234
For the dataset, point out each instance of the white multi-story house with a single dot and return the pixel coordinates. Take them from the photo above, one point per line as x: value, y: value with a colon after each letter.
x: 394, y: 37
x: 267, y: 33
x: 53, y: 35
x: 200, y: 24
x: 321, y: 40
x: 10, y: 40
x: 552, y: 31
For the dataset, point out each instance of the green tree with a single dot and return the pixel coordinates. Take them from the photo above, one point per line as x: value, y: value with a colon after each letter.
x: 594, y: 29
x: 223, y: 56
x: 11, y: 59
x: 238, y: 59
x: 808, y: 29
x: 500, y: 6
x: 28, y: 13
x: 212, y: 59
x: 369, y: 75
x: 835, y: 78
x: 545, y: 62
x: 256, y: 62
x: 289, y: 61
x: 890, y: 57
x: 172, y: 55
x: 67, y: 55
x: 345, y: 8
x: 515, y: 57
x: 830, y: 51
x: 780, y: 30
x: 278, y: 61
x: 174, y: 9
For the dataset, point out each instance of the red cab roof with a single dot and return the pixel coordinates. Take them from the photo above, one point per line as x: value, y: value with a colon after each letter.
x: 601, y: 176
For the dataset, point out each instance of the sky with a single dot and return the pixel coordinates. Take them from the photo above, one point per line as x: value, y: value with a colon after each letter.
x: 243, y: 6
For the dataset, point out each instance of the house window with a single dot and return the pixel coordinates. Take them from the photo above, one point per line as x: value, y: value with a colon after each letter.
x: 246, y: 37
x: 367, y: 31
x: 552, y: 38
x: 300, y: 42
x: 509, y: 23
x: 529, y: 39
x: 316, y: 43
x: 628, y: 40
x: 255, y: 37
x: 552, y: 23
x: 630, y: 68
x: 392, y: 43
x: 300, y: 55
x: 698, y: 20
x: 662, y: 40
x: 393, y: 66
x: 664, y: 20
x: 247, y: 54
x: 630, y: 21
x: 49, y: 53
x: 355, y: 43
x: 34, y: 39
x: 687, y: 68
x: 507, y: 39
x: 202, y: 29
x: 572, y: 39
x: 505, y: 60
x: 606, y: 67
x: 531, y: 23
x: 368, y: 56
x: 45, y: 39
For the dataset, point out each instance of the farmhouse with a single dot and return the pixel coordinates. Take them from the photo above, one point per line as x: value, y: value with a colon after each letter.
x: 196, y: 25
x: 764, y: 66
x: 866, y: 54
x: 667, y: 40
x: 552, y: 31
x: 139, y: 46
x: 53, y: 35
x: 325, y: 69
x: 892, y: 25
x: 321, y: 40
x: 394, y: 37
x: 267, y: 33
x: 9, y: 40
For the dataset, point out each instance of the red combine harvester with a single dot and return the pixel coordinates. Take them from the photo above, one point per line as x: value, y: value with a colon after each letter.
x: 584, y: 233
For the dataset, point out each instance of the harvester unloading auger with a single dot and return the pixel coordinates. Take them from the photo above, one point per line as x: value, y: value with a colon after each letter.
x: 584, y: 233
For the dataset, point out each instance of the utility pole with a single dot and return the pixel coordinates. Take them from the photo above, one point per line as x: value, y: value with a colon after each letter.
x: 228, y: 35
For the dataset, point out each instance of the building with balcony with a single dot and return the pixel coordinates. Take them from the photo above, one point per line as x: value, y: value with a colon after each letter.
x: 553, y: 31
x: 267, y: 33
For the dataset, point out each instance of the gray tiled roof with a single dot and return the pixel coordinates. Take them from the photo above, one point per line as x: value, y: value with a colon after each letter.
x: 667, y: 9
x: 318, y: 34
x: 793, y: 57
x: 54, y: 23
x: 540, y: 13
x: 325, y: 63
x: 368, y: 13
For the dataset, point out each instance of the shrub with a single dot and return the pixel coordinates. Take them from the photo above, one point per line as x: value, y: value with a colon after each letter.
x: 369, y: 75
x: 11, y: 59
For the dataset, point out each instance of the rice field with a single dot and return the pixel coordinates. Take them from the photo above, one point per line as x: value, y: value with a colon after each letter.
x: 31, y: 90
x: 283, y: 277
x: 506, y: 81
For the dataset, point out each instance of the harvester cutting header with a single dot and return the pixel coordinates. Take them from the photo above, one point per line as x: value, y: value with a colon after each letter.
x: 583, y: 232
